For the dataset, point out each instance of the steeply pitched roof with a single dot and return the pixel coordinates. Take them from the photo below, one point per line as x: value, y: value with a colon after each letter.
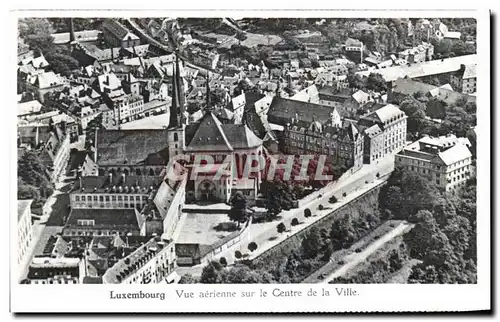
x: 384, y: 114
x: 240, y: 136
x: 139, y: 147
x: 118, y: 30
x: 209, y: 136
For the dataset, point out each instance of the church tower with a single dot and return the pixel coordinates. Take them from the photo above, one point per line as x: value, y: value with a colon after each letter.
x: 178, y: 114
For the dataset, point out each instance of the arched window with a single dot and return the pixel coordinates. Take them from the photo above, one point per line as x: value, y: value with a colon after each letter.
x: 138, y: 172
x: 176, y: 137
x: 151, y: 172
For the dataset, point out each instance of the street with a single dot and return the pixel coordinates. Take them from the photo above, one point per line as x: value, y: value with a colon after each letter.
x: 265, y: 235
x: 356, y: 258
x: 51, y: 222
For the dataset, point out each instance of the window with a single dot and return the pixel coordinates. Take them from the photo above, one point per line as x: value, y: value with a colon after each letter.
x: 77, y: 198
x: 85, y: 222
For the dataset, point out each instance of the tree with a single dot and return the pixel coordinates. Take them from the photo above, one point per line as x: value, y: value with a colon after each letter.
x: 211, y: 273
x: 307, y: 213
x: 444, y: 47
x: 238, y: 211
x: 188, y: 279
x: 30, y: 26
x: 332, y: 199
x: 238, y: 254
x: 342, y: 233
x: 242, y: 274
x: 252, y: 246
x: 295, y: 222
x: 458, y: 48
x: 281, y: 228
x: 311, y: 244
x: 415, y: 111
x: 376, y: 83
x: 223, y: 261
x: 321, y: 207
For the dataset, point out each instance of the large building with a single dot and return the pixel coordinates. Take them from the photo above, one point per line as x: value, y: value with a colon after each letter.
x: 385, y: 130
x: 116, y: 34
x: 132, y: 152
x: 24, y: 229
x: 418, y: 54
x: 317, y: 129
x: 151, y: 263
x: 42, y: 83
x: 446, y: 160
x: 464, y: 80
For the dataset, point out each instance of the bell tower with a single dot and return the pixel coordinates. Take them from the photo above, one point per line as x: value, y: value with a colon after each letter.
x: 178, y: 115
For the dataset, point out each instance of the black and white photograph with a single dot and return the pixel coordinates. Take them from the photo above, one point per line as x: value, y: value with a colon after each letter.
x: 178, y: 149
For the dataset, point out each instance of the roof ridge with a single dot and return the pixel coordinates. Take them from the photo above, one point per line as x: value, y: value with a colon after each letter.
x: 219, y: 127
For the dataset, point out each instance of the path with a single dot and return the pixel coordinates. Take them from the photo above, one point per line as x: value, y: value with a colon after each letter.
x: 356, y: 258
x: 158, y: 44
x: 265, y: 235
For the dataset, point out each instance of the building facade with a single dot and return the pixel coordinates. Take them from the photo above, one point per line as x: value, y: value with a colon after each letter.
x: 151, y: 263
x: 386, y: 132
x: 464, y: 80
x: 317, y: 129
x: 446, y: 160
x: 24, y: 229
x: 117, y: 35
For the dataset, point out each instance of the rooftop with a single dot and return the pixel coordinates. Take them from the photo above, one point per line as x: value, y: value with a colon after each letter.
x: 133, y: 147
x: 283, y: 110
x: 81, y: 36
x: 119, y: 30
x: 432, y: 67
x: 119, y: 219
x: 385, y: 114
x: 28, y: 107
x: 117, y: 184
x: 130, y: 264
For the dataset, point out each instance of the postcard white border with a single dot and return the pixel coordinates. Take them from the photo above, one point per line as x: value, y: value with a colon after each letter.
x: 372, y: 298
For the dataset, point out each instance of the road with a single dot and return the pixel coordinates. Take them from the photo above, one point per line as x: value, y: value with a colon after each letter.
x: 356, y: 258
x: 51, y: 222
x: 155, y: 42
x: 265, y: 235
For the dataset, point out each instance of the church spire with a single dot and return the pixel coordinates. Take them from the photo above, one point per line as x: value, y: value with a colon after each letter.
x: 177, y: 109
x: 208, y: 92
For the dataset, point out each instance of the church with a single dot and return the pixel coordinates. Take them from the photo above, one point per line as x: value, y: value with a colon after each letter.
x: 220, y: 155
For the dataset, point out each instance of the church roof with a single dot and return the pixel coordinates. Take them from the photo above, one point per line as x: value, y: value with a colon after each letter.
x: 240, y: 136
x: 209, y: 136
x: 139, y: 147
